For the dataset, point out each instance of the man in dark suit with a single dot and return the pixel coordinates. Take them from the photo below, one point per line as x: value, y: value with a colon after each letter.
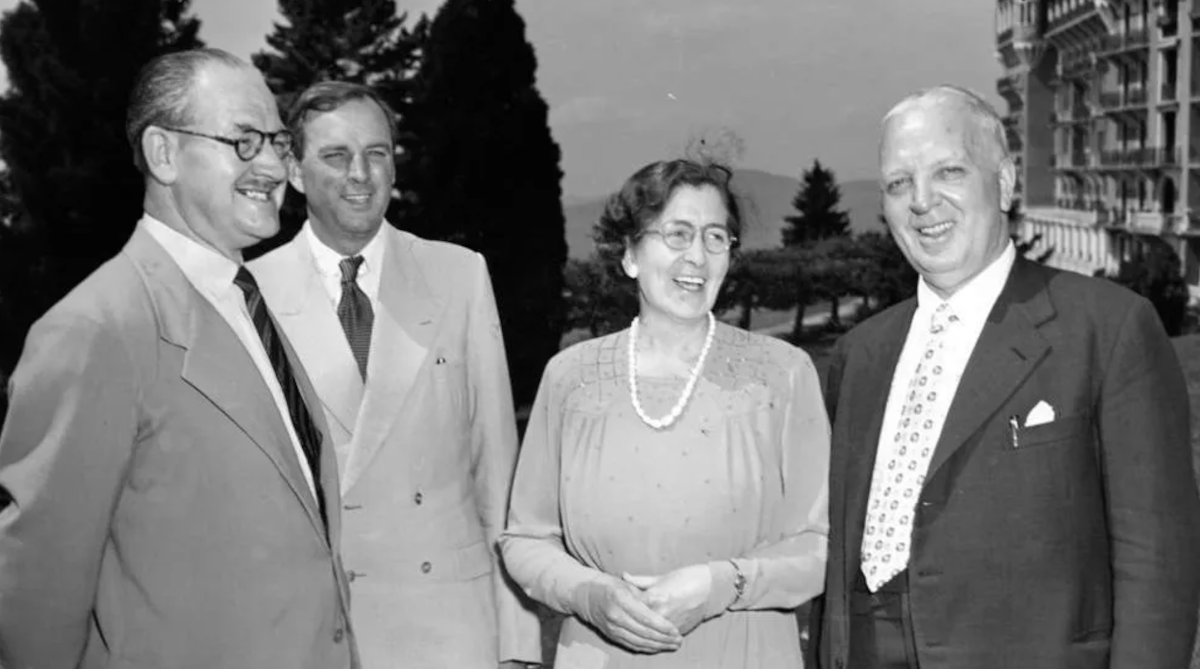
x: 1011, y: 480
x: 174, y: 500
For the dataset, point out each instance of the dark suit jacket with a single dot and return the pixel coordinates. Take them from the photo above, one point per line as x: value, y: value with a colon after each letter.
x: 1079, y: 547
x: 160, y: 517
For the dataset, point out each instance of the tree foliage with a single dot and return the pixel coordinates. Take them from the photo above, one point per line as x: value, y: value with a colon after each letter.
x: 72, y: 193
x: 484, y: 171
x: 1156, y: 273
x: 818, y: 215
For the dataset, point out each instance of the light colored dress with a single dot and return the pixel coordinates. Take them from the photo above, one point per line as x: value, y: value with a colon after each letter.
x: 742, y: 475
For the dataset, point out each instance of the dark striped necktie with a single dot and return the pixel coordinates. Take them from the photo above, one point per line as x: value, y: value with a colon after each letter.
x: 306, y: 430
x: 354, y: 312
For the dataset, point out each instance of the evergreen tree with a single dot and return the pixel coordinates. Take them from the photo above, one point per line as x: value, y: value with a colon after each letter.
x: 362, y: 41
x: 485, y: 171
x: 70, y: 172
x: 816, y: 204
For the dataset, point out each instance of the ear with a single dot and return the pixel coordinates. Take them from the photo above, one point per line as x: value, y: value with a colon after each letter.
x: 627, y: 262
x: 160, y: 149
x: 294, y: 176
x: 1007, y: 173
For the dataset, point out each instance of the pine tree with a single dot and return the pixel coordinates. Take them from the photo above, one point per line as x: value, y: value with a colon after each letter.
x: 485, y: 171
x: 818, y: 215
x: 70, y: 171
x: 362, y: 41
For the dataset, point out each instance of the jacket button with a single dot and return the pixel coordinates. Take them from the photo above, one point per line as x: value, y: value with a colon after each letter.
x: 338, y: 635
x: 426, y: 567
x: 418, y: 498
x: 351, y: 575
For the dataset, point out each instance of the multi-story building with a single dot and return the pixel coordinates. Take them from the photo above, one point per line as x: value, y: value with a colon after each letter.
x: 1104, y: 124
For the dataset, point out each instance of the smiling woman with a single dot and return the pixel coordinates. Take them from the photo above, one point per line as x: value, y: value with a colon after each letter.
x: 720, y: 431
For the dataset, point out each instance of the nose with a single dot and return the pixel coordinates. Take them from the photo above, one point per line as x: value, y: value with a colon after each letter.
x: 696, y: 253
x: 359, y: 168
x: 270, y: 163
x: 924, y: 196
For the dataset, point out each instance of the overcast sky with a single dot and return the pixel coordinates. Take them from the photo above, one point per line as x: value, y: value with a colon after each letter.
x: 629, y: 81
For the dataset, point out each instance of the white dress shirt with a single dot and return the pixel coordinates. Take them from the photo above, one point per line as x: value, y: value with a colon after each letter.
x: 327, y: 263
x: 972, y: 303
x: 211, y: 274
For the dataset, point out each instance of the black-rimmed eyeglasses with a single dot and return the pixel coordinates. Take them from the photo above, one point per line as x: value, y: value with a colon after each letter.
x: 250, y: 143
x: 679, y: 236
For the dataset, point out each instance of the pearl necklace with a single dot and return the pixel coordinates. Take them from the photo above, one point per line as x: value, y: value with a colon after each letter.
x: 677, y: 410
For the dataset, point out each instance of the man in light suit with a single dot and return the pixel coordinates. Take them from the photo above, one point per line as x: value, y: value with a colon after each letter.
x: 403, y: 341
x: 1011, y: 480
x: 171, y: 507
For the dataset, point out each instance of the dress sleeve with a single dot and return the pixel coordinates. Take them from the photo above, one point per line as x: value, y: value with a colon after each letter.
x: 789, y: 570
x: 532, y: 542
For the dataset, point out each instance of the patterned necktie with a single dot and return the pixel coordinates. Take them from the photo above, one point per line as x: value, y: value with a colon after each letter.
x: 354, y: 311
x: 900, y: 467
x: 302, y: 423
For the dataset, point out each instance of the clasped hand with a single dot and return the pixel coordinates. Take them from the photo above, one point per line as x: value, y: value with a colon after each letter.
x: 618, y: 610
x: 680, y: 596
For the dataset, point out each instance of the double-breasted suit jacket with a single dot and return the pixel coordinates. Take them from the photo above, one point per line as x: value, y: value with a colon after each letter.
x: 159, y: 515
x: 1071, y: 543
x: 429, y: 446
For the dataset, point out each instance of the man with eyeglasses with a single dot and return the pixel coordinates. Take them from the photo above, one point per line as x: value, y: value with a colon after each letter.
x: 174, y: 495
x: 404, y: 343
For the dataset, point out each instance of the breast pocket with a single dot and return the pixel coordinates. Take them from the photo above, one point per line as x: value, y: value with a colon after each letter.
x: 1076, y: 427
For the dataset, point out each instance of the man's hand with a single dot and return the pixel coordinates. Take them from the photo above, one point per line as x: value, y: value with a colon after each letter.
x: 680, y: 596
x: 618, y: 611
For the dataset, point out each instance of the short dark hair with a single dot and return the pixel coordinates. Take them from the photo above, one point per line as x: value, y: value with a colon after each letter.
x: 162, y: 90
x: 645, y: 195
x: 327, y: 96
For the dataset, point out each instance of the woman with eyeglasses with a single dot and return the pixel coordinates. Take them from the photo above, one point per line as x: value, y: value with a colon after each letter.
x: 670, y: 495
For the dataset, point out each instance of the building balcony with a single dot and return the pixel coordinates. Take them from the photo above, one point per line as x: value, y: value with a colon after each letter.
x: 1132, y: 157
x: 1070, y: 17
x: 1110, y: 100
x: 1134, y: 39
x: 1152, y: 222
x: 1168, y: 92
x: 1135, y: 96
x: 1168, y: 156
x: 1076, y: 62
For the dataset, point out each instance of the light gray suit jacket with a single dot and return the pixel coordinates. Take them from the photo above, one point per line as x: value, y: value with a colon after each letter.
x: 160, y: 517
x: 428, y: 445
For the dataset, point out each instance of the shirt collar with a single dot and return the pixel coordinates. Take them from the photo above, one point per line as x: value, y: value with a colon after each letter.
x: 974, y: 301
x: 328, y: 262
x: 208, y: 270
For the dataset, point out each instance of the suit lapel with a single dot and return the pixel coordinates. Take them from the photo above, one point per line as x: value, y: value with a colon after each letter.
x: 874, y: 368
x: 217, y: 365
x: 1008, y: 350
x: 400, y: 340
x: 310, y: 319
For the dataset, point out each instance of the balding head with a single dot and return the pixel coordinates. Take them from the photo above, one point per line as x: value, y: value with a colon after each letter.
x: 162, y: 93
x: 988, y: 143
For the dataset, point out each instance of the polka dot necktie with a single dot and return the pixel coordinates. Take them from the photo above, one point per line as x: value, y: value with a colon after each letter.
x: 354, y: 312
x: 901, y: 464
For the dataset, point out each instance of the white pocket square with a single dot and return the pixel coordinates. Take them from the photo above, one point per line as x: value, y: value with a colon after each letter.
x: 1041, y: 414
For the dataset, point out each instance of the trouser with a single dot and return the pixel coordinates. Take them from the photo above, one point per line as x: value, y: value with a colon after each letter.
x: 881, y: 633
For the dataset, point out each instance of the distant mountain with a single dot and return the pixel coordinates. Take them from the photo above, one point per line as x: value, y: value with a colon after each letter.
x: 767, y: 197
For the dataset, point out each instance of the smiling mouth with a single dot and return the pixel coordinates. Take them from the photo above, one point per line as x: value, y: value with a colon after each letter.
x: 256, y: 194
x: 690, y: 282
x: 357, y: 198
x: 936, y: 230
